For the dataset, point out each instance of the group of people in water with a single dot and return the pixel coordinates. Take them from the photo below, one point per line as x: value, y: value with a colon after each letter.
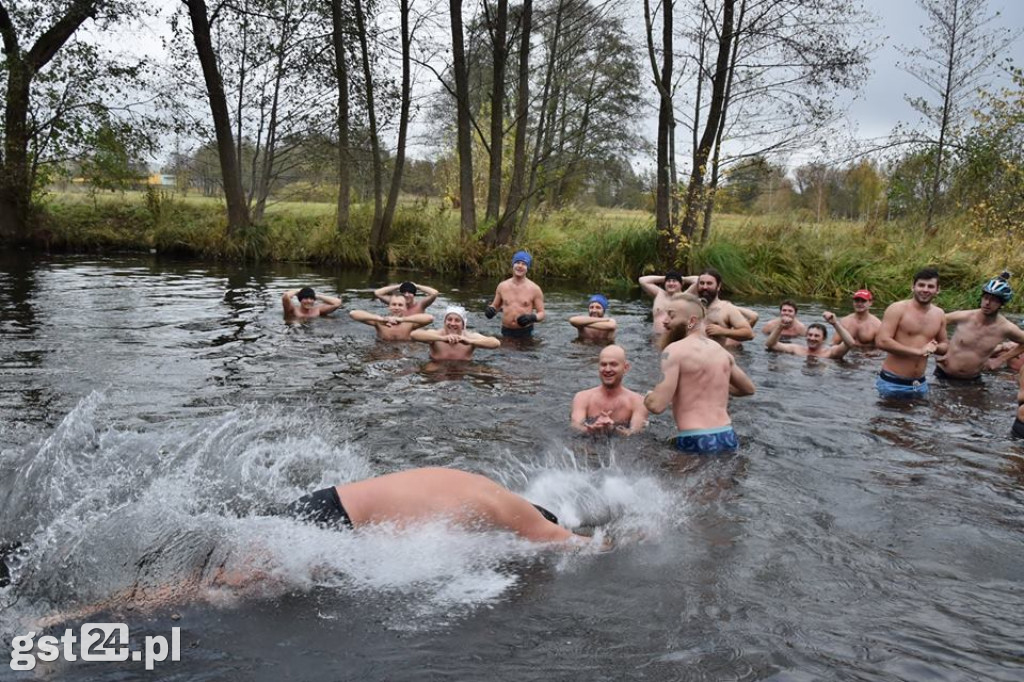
x: 697, y: 329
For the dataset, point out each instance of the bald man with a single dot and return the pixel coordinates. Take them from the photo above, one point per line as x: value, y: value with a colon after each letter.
x: 610, y: 408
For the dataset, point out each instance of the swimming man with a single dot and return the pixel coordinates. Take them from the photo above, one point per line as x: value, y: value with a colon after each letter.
x: 816, y: 336
x: 978, y: 333
x: 698, y: 376
x: 911, y: 330
x: 408, y: 290
x: 520, y: 300
x: 421, y: 495
x: 398, y: 325
x: 611, y: 407
x: 453, y: 341
x: 594, y: 326
x: 311, y: 304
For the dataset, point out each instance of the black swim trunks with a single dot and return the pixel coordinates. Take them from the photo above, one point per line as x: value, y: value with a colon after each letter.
x: 322, y: 508
x: 546, y: 514
x: 941, y: 374
x: 1018, y: 428
x: 518, y: 332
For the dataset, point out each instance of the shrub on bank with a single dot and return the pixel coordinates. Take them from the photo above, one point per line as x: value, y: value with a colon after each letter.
x: 758, y: 256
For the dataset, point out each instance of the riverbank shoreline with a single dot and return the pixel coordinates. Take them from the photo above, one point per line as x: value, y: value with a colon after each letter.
x: 774, y: 256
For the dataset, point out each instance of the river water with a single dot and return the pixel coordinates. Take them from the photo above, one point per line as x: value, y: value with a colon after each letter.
x: 150, y: 411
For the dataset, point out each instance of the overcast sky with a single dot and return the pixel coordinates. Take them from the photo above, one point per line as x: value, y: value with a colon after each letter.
x: 872, y: 114
x: 881, y: 104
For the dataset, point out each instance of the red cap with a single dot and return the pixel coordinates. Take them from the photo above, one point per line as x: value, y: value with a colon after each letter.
x: 863, y: 293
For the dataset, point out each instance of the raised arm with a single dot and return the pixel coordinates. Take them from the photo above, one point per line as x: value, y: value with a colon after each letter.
x: 286, y: 301
x: 660, y: 397
x: 839, y: 350
x: 330, y: 303
x: 384, y: 293
x: 773, y: 343
x: 431, y: 295
x: 651, y: 284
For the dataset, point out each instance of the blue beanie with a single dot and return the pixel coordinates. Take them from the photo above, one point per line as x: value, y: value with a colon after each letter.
x: 599, y: 298
x: 523, y: 256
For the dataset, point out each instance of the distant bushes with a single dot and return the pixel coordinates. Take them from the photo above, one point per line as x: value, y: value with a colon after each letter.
x: 774, y: 256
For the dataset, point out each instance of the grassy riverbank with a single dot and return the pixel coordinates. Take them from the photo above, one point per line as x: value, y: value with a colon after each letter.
x: 774, y: 256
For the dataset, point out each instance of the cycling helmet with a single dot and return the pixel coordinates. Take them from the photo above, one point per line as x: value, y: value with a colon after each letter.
x: 999, y: 288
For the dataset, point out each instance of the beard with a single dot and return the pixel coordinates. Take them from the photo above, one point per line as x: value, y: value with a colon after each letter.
x: 674, y: 334
x: 709, y: 296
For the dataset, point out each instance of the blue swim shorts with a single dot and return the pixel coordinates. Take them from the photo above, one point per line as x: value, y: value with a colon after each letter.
x: 891, y: 385
x: 707, y: 441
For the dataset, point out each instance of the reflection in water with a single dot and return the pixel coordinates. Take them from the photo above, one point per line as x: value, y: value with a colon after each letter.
x: 151, y: 414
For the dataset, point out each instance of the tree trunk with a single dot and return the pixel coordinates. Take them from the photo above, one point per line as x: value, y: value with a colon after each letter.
x: 16, y: 175
x: 695, y: 192
x: 544, y: 123
x: 709, y: 200
x: 403, y: 125
x: 667, y: 242
x: 344, y: 155
x: 238, y: 211
x: 947, y: 96
x: 465, y: 140
x: 502, y: 232
x: 500, y: 52
x: 267, y: 171
x: 376, y: 243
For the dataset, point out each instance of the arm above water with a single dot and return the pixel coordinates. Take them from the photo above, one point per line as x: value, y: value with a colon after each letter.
x: 885, y: 340
x: 480, y: 340
x: 843, y: 347
x: 651, y: 284
x: 660, y: 397
x: 330, y: 303
x: 739, y: 383
x: 384, y: 293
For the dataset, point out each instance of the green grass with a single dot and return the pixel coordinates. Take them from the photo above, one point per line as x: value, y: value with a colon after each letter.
x: 765, y: 256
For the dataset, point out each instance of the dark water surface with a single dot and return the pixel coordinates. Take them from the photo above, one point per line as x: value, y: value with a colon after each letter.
x: 150, y: 410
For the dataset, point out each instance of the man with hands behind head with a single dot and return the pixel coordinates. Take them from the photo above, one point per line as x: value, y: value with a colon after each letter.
x: 520, y: 301
x: 311, y: 304
x: 408, y: 290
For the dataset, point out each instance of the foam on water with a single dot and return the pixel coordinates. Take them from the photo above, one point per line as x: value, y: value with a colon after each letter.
x: 180, y: 513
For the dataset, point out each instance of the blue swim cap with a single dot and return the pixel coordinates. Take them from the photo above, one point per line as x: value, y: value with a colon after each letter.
x: 599, y: 298
x: 523, y: 256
